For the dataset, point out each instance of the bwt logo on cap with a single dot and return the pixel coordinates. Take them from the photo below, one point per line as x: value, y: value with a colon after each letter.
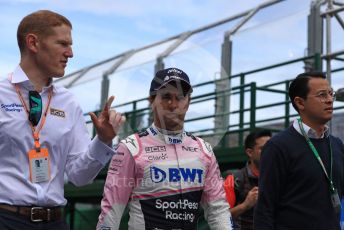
x: 167, y: 78
x: 176, y: 174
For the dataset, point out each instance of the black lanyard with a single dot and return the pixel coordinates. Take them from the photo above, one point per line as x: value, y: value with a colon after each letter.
x: 316, y: 154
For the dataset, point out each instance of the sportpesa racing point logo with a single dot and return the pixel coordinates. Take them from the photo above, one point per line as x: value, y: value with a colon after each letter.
x: 176, y: 174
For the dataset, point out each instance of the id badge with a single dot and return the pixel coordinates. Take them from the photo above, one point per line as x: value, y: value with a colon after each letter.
x: 39, y: 165
x: 335, y: 201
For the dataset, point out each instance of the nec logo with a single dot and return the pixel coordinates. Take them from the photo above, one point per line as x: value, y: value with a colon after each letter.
x: 155, y: 149
x: 176, y: 174
x: 190, y: 149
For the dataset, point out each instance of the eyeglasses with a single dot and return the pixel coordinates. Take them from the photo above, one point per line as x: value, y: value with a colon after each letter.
x: 35, y: 112
x: 324, y: 95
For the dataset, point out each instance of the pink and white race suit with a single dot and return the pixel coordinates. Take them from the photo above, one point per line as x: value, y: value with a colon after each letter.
x: 164, y: 180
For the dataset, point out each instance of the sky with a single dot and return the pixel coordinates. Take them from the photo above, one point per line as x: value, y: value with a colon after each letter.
x: 104, y: 28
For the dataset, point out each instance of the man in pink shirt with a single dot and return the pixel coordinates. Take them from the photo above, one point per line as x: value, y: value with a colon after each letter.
x: 163, y: 173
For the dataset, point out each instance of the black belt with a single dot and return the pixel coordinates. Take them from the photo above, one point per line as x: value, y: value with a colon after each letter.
x: 35, y: 214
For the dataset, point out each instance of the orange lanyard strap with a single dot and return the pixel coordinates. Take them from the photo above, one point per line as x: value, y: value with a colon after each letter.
x: 35, y: 133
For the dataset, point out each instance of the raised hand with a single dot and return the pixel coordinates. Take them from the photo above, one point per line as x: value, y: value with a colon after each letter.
x: 108, y: 122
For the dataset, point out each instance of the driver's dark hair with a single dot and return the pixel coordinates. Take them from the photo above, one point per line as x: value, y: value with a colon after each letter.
x: 250, y: 140
x: 299, y: 86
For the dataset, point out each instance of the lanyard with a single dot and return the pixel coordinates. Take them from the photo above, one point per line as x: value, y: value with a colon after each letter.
x: 35, y: 132
x: 316, y: 154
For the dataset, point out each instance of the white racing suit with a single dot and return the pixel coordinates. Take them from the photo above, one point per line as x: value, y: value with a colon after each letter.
x: 164, y: 180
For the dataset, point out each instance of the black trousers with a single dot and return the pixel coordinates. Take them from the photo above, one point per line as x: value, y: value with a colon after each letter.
x: 14, y: 221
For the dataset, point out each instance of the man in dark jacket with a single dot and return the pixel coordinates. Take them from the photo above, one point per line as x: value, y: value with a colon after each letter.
x: 301, y: 173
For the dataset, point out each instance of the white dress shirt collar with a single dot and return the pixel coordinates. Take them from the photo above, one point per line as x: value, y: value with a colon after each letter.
x: 311, y: 133
x: 19, y: 77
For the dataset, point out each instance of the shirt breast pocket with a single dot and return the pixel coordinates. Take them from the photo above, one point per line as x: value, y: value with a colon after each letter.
x: 56, y: 129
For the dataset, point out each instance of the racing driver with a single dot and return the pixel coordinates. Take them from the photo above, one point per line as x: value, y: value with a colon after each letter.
x: 163, y: 173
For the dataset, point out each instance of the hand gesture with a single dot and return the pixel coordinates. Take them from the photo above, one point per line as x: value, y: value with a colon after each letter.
x: 251, y: 198
x: 107, y: 123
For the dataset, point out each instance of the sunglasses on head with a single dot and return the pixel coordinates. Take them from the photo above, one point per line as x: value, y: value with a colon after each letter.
x: 35, y: 112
